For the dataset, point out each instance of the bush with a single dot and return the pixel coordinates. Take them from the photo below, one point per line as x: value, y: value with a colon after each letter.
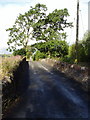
x: 53, y: 48
x: 21, y: 52
x: 72, y: 52
x: 86, y: 46
x: 38, y: 55
x: 28, y: 54
x: 66, y: 59
x: 83, y: 49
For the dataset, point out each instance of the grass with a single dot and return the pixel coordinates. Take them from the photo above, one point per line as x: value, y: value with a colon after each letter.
x: 8, y: 65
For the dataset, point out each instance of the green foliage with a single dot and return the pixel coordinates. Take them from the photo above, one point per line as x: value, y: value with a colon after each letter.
x: 29, y: 51
x: 72, y: 52
x: 51, y: 26
x: 38, y: 55
x: 83, y: 49
x: 21, y: 52
x: 20, y: 33
x: 86, y: 46
x: 53, y: 48
x: 28, y: 54
x: 66, y: 59
x: 36, y: 24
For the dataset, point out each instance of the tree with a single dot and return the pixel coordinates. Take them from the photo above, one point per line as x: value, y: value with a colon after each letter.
x: 52, y: 26
x: 35, y: 24
x: 20, y: 33
x: 21, y: 52
x: 53, y: 48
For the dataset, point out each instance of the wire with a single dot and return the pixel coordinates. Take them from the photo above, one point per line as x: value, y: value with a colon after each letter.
x: 72, y: 29
x: 82, y: 22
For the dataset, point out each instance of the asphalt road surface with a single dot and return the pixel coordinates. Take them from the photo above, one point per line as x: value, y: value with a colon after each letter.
x: 51, y: 95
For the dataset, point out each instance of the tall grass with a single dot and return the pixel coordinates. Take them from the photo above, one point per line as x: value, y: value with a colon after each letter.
x: 0, y: 68
x: 8, y: 65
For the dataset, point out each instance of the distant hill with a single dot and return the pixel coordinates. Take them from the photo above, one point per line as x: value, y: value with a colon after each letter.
x: 4, y: 51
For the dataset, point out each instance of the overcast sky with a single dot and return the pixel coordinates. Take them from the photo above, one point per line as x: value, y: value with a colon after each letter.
x: 10, y: 9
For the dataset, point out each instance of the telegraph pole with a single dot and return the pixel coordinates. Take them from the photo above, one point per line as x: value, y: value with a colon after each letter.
x: 77, y: 31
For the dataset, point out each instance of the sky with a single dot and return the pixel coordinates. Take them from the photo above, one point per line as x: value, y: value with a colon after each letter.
x: 10, y: 9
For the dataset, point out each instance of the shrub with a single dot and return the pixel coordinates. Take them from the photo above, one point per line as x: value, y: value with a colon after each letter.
x: 83, y: 49
x: 86, y: 46
x: 28, y: 54
x: 21, y: 52
x: 53, y: 48
x: 72, y: 52
x: 39, y: 55
x: 66, y: 59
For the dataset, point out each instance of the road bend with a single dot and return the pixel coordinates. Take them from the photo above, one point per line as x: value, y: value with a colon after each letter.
x: 51, y: 95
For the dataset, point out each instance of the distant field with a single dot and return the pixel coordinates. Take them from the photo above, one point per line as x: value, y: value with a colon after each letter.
x: 0, y: 67
x: 0, y: 60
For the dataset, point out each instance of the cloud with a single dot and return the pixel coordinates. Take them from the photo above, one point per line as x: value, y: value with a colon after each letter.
x: 8, y: 15
x: 4, y: 2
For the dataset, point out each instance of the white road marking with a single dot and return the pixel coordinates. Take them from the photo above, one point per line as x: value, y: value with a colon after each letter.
x: 41, y: 66
x: 31, y: 65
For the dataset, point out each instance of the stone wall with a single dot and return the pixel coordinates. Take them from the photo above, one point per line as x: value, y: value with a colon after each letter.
x: 12, y: 92
x: 78, y: 73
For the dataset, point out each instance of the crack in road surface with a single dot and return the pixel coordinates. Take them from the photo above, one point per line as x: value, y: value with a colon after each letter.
x: 51, y: 95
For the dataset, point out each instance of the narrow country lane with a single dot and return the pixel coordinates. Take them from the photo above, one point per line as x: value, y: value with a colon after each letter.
x: 51, y: 95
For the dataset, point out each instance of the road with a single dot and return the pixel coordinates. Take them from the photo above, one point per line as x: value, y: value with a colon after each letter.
x: 51, y: 95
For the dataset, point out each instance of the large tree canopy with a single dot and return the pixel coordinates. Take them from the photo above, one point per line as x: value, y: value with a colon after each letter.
x: 35, y: 24
x: 52, y: 25
x: 53, y: 48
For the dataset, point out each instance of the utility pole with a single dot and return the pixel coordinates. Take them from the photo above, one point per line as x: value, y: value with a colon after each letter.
x: 77, y: 31
x: 89, y: 16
